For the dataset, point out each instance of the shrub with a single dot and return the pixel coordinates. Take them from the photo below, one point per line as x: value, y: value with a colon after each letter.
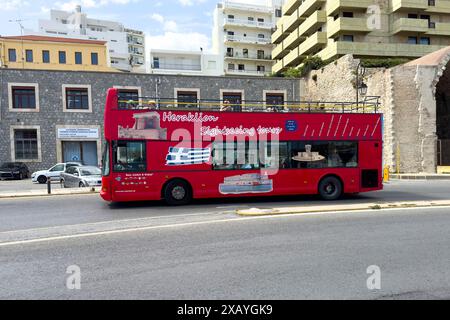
x: 383, y: 62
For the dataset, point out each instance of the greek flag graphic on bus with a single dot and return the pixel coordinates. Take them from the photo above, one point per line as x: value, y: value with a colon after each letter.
x: 187, y: 156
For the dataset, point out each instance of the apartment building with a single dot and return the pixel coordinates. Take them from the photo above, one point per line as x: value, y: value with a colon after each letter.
x: 242, y: 36
x: 185, y: 63
x: 53, y: 53
x: 364, y: 28
x: 126, y: 47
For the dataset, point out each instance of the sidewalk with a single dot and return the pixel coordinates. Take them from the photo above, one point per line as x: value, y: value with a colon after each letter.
x: 345, y: 207
x: 43, y: 193
x: 420, y: 176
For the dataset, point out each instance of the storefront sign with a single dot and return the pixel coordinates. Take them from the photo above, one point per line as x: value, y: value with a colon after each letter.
x: 78, y: 133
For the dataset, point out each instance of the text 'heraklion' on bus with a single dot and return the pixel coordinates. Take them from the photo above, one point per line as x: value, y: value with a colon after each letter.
x: 161, y: 149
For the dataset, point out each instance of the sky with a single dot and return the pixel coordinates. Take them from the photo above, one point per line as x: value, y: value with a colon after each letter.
x: 168, y: 24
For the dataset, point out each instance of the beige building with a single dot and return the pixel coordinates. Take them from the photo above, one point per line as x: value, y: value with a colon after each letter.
x: 52, y: 53
x: 364, y: 28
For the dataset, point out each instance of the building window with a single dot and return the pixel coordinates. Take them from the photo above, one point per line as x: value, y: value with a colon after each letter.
x: 26, y: 144
x: 241, y: 67
x: 234, y: 99
x: 245, y: 53
x: 260, y: 54
x: 94, y: 59
x: 260, y: 20
x: 24, y: 97
x: 275, y: 101
x: 187, y: 99
x: 348, y: 38
x: 29, y: 55
x: 425, y: 41
x: 46, y: 56
x: 412, y: 40
x: 78, y: 58
x: 12, y: 56
x: 77, y: 99
x: 261, y: 68
x: 127, y: 96
x: 278, y: 13
x: 155, y: 63
x: 347, y: 14
x: 62, y: 57
x: 231, y: 66
x: 230, y: 52
x: 413, y: 16
x: 261, y: 36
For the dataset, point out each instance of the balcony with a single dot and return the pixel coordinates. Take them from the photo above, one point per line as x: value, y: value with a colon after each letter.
x: 293, y: 40
x: 309, y: 6
x: 249, y: 24
x: 278, y: 36
x: 314, y: 21
x: 337, y: 27
x: 279, y: 51
x: 291, y: 22
x: 290, y: 6
x: 241, y: 56
x: 439, y: 29
x: 313, y: 43
x: 407, y: 5
x: 377, y: 49
x: 278, y: 67
x: 439, y: 7
x: 410, y: 25
x: 292, y: 59
x: 251, y: 40
x: 176, y: 67
x: 232, y: 5
x: 333, y: 6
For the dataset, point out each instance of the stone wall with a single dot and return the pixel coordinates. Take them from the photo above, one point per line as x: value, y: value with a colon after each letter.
x: 407, y: 97
x: 51, y: 115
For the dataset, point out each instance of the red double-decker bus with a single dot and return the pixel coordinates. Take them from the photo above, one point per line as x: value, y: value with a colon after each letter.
x: 157, y: 149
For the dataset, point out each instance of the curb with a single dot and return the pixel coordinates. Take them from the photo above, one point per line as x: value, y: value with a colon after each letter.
x: 420, y: 177
x: 254, y: 212
x: 43, y: 195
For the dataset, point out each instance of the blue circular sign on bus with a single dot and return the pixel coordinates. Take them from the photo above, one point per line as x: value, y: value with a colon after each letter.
x: 291, y: 125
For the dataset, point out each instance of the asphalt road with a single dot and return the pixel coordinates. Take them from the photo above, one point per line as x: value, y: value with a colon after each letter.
x: 290, y: 257
x: 29, y: 213
x: 204, y: 251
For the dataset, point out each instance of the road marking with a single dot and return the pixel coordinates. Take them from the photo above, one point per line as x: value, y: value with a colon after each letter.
x: 199, y: 223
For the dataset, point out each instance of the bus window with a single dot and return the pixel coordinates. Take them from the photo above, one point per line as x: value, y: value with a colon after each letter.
x: 273, y: 154
x: 105, y: 161
x: 236, y: 156
x: 129, y: 156
x: 324, y: 154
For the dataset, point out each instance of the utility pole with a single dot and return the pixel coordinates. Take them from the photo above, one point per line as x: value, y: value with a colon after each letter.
x: 19, y: 22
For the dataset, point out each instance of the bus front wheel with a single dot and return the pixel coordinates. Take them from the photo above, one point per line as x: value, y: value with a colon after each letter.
x: 330, y: 188
x: 178, y: 193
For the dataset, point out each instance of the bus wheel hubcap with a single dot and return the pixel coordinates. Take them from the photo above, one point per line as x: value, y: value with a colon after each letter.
x: 329, y: 188
x: 178, y: 193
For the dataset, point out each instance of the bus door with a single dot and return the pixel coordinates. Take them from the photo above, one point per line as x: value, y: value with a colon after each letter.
x: 129, y: 176
x: 370, y: 161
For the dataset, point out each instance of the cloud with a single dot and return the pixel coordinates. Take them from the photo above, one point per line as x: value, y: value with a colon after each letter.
x: 190, y: 3
x: 71, y: 5
x: 10, y: 5
x: 157, y: 17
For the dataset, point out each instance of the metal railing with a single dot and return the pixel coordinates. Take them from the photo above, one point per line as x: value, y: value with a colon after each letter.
x: 169, y: 104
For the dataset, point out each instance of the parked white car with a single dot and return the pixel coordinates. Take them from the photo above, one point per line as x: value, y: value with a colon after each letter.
x: 81, y: 177
x: 54, y: 173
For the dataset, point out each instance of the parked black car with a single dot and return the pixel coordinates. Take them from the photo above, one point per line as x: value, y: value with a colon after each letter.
x: 14, y: 170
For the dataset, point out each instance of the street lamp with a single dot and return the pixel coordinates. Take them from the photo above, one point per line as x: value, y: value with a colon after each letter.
x: 361, y: 87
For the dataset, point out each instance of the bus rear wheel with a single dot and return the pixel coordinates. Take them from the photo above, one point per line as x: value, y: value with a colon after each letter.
x: 330, y: 188
x: 177, y: 193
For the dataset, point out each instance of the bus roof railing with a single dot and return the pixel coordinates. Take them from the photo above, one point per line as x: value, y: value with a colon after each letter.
x: 369, y: 105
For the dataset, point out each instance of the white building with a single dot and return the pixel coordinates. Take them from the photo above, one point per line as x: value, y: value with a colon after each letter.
x: 185, y: 63
x: 126, y: 46
x: 242, y: 36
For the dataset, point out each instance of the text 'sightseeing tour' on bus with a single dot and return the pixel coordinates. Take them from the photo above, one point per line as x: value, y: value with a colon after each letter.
x: 158, y: 149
